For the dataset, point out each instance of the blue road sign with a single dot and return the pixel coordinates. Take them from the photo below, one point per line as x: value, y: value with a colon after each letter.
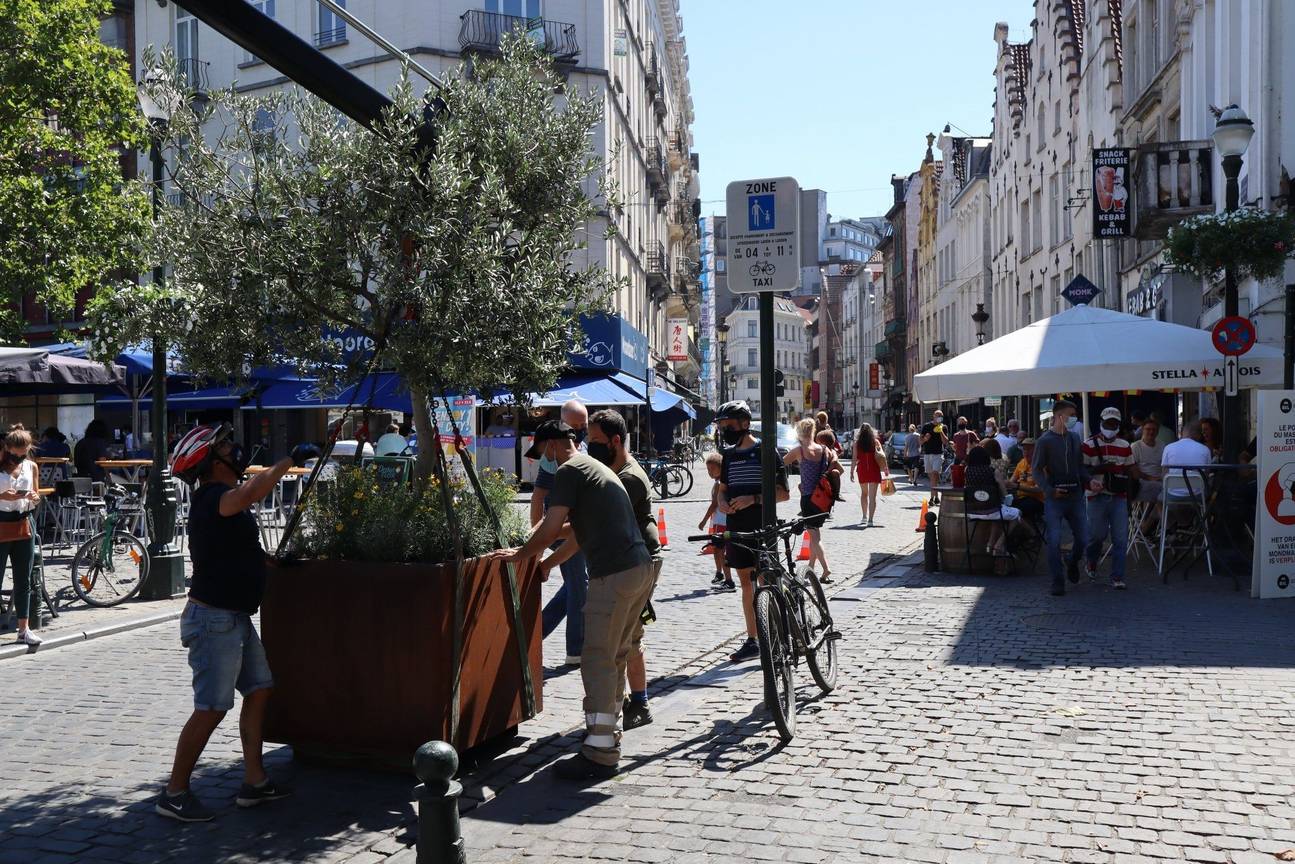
x: 759, y: 212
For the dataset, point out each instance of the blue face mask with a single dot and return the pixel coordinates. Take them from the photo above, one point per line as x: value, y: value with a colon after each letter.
x: 549, y: 465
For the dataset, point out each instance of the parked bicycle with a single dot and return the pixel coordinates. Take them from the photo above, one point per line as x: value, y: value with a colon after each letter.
x: 792, y: 619
x: 110, y: 567
x: 669, y: 479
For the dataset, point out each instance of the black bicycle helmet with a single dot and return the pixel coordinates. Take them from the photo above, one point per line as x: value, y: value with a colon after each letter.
x: 735, y: 410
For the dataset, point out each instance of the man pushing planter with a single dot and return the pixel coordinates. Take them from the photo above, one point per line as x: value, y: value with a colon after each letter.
x: 589, y: 495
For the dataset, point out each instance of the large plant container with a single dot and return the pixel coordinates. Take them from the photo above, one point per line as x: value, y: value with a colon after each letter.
x: 362, y: 656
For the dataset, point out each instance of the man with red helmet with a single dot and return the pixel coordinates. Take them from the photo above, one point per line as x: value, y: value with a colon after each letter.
x: 228, y: 577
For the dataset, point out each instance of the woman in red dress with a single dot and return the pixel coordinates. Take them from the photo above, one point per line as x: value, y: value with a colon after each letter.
x: 869, y: 466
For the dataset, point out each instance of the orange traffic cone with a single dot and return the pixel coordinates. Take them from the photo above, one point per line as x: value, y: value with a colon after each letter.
x: 660, y: 529
x: 921, y: 520
x: 803, y: 555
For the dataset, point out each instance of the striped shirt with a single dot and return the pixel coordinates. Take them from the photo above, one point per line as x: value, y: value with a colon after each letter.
x: 1115, y: 453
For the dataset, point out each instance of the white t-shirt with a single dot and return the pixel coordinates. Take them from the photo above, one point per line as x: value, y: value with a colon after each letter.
x: 1149, y: 457
x: 26, y: 481
x: 1185, y: 451
x: 1006, y: 441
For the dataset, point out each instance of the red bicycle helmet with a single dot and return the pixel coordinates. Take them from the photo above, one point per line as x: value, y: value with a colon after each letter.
x: 195, y: 449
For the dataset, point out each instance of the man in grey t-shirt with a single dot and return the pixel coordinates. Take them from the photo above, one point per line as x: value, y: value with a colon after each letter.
x: 588, y: 494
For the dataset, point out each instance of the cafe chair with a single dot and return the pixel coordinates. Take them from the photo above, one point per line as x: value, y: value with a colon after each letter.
x: 1182, y: 494
x: 985, y: 505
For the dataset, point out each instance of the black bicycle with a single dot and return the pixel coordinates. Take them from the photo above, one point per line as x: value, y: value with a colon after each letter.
x: 792, y: 619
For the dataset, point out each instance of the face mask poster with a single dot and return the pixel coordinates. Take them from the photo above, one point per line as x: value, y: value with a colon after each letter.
x: 1274, y: 562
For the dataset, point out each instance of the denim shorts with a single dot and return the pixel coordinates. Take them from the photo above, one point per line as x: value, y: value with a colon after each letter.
x: 225, y: 653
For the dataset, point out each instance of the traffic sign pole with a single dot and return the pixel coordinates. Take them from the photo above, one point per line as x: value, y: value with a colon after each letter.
x: 768, y: 413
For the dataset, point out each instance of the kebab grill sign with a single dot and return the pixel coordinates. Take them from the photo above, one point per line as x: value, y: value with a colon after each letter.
x: 1111, y: 192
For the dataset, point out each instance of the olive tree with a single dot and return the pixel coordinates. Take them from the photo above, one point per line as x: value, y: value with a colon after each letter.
x: 292, y: 222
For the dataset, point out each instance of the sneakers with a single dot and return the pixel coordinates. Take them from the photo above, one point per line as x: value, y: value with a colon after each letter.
x: 572, y: 660
x: 251, y: 796
x: 184, y: 807
x: 750, y: 648
x: 718, y: 580
x: 1092, y: 571
x: 1072, y: 571
x: 1118, y: 583
x: 579, y: 767
x: 27, y: 637
x: 726, y: 587
x: 870, y: 524
x: 634, y: 714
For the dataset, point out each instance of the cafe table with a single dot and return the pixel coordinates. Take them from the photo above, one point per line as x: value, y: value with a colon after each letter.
x: 260, y: 469
x: 1214, y: 514
x: 132, y: 468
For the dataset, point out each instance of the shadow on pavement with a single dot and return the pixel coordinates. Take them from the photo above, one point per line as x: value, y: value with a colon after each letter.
x: 89, y: 822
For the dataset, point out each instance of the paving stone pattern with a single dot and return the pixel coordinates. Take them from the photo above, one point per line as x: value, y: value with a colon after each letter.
x: 90, y: 730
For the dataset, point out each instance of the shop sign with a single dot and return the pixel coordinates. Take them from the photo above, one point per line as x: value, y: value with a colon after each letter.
x: 620, y: 43
x: 993, y: 401
x: 677, y: 339
x: 874, y: 376
x: 463, y: 412
x: 1274, y: 560
x: 1111, y: 192
x: 1147, y: 297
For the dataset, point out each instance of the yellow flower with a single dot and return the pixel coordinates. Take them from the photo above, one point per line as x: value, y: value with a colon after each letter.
x: 359, y: 494
x: 338, y: 527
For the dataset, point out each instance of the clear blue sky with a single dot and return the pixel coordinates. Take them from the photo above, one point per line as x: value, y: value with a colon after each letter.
x: 837, y: 93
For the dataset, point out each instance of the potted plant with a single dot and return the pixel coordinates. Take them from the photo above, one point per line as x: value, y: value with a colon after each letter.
x: 1255, y: 243
x: 459, y: 263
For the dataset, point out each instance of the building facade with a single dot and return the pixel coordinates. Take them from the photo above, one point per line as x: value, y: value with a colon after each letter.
x: 791, y: 349
x: 631, y: 55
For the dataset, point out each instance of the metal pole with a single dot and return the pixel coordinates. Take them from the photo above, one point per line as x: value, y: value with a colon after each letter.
x: 377, y: 38
x: 1288, y: 367
x: 166, y: 569
x: 1231, y: 404
x: 440, y: 839
x: 768, y: 412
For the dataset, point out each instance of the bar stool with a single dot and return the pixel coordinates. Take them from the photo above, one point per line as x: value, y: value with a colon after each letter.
x: 1183, y: 489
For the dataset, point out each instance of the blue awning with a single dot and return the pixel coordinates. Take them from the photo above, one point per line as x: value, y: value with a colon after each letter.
x: 193, y: 400
x: 138, y: 359
x: 662, y: 400
x: 589, y: 389
x: 384, y: 391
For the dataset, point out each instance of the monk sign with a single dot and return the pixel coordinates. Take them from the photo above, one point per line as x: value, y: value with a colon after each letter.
x: 763, y: 235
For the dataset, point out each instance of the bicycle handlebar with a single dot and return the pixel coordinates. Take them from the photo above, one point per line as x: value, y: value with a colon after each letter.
x: 781, y: 528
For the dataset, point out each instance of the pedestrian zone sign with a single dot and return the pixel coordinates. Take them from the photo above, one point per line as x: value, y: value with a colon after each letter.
x: 766, y: 255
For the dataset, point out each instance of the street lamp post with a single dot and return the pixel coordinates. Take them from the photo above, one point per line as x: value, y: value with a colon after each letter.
x: 1232, y: 136
x: 855, y: 407
x: 980, y: 316
x: 166, y: 568
x: 721, y: 336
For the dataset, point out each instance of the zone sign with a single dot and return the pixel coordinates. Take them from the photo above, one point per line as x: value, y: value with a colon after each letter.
x: 763, y: 235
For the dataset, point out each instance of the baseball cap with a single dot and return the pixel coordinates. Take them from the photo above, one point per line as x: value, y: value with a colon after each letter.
x: 549, y: 430
x: 1111, y: 413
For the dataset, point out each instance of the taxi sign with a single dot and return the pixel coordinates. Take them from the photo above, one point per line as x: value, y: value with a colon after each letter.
x: 763, y: 235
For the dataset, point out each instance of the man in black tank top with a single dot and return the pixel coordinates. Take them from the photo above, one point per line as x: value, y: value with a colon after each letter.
x: 228, y: 578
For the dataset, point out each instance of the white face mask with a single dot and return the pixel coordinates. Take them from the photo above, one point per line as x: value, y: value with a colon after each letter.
x: 1109, y: 433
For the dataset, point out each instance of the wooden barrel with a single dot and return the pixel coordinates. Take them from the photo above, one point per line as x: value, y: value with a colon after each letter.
x: 953, y: 536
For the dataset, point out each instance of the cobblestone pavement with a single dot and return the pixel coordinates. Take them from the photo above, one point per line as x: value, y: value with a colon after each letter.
x: 975, y: 720
x: 91, y: 729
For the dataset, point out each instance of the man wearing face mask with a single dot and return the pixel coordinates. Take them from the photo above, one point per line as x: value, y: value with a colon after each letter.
x: 608, y: 433
x: 1109, y: 459
x: 569, y: 601
x: 1059, y: 470
x: 589, y: 495
x: 225, y: 652
x: 740, y: 484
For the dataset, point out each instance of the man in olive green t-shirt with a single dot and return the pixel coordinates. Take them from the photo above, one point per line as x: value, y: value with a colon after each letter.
x: 587, y: 494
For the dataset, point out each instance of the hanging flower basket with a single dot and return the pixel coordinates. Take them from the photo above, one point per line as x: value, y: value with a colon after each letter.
x: 1254, y: 242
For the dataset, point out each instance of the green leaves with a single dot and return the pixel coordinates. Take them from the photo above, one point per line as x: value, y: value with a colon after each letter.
x: 68, y: 111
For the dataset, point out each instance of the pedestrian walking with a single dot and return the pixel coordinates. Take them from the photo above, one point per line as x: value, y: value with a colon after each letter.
x: 934, y: 442
x: 19, y: 496
x: 1059, y: 471
x: 1109, y: 460
x: 912, y: 453
x: 723, y: 580
x: 568, y: 602
x: 606, y: 443
x: 740, y: 500
x: 591, y: 497
x: 817, y: 461
x: 228, y: 579
x: 869, y: 468
x: 963, y: 439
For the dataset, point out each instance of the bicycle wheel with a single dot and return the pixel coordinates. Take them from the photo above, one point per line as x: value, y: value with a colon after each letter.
x: 108, y: 579
x: 776, y: 661
x: 660, y: 478
x: 818, y: 621
x: 680, y: 481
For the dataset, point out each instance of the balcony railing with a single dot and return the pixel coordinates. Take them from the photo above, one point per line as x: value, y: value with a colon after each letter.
x: 653, y: 72
x: 658, y: 268
x: 193, y: 72
x: 483, y: 31
x: 331, y: 36
x: 896, y: 327
x: 1171, y: 181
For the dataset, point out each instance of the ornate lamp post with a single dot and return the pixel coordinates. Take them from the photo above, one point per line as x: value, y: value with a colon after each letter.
x: 166, y: 571
x: 980, y: 316
x: 1232, y: 136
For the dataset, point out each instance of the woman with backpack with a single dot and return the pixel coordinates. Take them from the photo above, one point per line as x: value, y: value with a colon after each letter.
x: 869, y: 468
x: 817, y: 463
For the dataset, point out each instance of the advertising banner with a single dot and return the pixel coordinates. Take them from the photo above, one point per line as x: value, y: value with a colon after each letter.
x: 1274, y: 560
x: 1111, y: 192
x: 677, y: 335
x: 463, y: 410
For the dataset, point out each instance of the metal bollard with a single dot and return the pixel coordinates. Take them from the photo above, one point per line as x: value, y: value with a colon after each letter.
x: 440, y: 840
x: 931, y: 544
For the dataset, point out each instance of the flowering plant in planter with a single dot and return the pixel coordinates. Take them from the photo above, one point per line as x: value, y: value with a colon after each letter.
x: 357, y: 518
x: 1254, y: 242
